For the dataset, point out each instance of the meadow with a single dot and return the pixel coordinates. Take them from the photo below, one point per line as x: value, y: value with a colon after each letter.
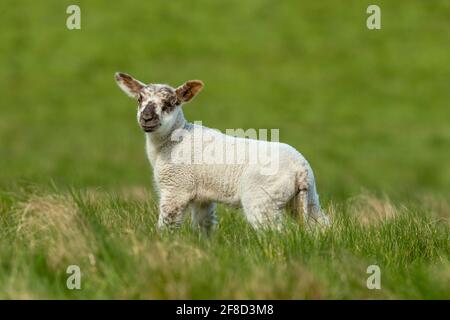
x: 368, y: 109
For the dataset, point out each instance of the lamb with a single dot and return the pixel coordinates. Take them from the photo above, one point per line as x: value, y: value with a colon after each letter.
x: 196, y: 166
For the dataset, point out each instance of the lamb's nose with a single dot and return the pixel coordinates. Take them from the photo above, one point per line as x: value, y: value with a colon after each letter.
x: 147, y: 116
x: 148, y: 113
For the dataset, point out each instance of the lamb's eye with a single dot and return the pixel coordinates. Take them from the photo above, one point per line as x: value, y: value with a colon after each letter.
x: 140, y: 99
x: 166, y: 106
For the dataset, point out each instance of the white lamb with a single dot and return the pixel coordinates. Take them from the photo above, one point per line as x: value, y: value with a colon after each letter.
x: 198, y: 166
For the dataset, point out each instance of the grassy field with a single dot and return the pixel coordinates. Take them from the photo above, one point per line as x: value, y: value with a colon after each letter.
x: 112, y: 238
x: 369, y: 109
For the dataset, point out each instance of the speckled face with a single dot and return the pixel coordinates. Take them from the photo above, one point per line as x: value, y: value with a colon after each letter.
x: 158, y: 104
x: 155, y: 103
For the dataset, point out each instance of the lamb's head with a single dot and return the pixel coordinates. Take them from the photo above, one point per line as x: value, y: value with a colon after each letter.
x: 158, y: 104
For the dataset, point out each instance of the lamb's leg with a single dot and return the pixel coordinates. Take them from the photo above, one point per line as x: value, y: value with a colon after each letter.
x: 311, y: 208
x: 204, y: 216
x: 262, y: 212
x: 264, y: 219
x: 171, y: 210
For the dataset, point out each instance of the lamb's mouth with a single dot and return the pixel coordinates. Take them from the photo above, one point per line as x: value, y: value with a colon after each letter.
x: 151, y: 128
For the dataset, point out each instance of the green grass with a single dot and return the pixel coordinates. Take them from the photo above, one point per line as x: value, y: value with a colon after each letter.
x: 368, y: 109
x: 112, y: 238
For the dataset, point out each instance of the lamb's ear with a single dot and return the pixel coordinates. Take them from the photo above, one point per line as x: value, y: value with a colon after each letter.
x: 128, y: 84
x: 189, y: 90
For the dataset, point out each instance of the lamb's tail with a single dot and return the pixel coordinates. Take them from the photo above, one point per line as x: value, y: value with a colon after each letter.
x: 305, y: 204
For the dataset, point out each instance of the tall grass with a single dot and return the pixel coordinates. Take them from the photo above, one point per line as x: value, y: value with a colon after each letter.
x: 112, y: 238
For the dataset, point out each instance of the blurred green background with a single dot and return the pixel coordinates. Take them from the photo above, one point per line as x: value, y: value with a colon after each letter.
x: 369, y: 109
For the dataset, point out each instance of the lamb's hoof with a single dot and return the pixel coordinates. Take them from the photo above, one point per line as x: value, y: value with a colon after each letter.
x: 320, y: 224
x: 324, y: 223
